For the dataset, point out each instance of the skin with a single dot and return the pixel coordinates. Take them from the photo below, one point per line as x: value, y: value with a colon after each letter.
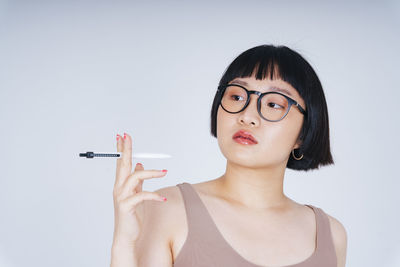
x: 254, y: 173
x: 247, y: 202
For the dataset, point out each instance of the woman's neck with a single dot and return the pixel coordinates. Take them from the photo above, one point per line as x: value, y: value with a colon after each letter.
x: 253, y: 188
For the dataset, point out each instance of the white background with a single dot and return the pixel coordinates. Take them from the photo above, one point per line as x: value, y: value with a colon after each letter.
x: 74, y: 74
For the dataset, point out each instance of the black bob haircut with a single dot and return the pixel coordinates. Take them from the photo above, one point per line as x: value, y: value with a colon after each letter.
x: 281, y: 62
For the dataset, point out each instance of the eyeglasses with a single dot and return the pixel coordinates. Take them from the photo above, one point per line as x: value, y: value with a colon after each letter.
x: 272, y: 106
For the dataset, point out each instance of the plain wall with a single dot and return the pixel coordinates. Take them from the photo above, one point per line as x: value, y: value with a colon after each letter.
x: 73, y: 74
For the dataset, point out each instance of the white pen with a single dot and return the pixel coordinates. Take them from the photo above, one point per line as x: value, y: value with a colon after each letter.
x: 119, y: 155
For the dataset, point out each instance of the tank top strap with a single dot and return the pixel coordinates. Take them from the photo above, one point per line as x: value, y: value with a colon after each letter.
x: 325, y: 245
x: 198, y: 218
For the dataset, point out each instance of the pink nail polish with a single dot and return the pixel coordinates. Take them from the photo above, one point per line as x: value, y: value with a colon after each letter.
x: 164, y: 170
x: 124, y: 135
x: 117, y: 137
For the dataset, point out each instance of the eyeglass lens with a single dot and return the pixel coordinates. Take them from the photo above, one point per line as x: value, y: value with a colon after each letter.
x: 273, y: 106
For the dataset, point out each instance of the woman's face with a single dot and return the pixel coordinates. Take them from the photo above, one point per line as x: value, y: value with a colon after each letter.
x: 275, y: 139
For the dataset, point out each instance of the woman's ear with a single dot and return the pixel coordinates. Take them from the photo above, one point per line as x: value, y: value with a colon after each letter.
x: 298, y: 144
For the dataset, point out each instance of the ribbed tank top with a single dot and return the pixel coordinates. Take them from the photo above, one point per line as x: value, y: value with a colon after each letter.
x: 206, y: 247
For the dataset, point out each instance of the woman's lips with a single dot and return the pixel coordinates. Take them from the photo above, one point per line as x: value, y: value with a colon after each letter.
x: 244, y: 141
x: 244, y: 137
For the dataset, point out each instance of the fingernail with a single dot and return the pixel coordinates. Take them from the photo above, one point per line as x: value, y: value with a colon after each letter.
x: 164, y: 170
x: 164, y: 199
x: 140, y: 164
x: 117, y: 137
x: 124, y: 135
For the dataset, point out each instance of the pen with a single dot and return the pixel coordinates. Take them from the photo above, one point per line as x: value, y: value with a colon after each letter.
x: 90, y: 155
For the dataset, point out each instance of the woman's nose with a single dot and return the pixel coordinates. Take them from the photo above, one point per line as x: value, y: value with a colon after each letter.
x: 250, y: 113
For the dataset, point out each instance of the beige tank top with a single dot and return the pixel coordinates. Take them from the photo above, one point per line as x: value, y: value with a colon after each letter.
x: 206, y: 247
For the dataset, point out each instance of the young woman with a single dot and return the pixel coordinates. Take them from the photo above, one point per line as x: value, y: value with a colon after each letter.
x: 269, y: 113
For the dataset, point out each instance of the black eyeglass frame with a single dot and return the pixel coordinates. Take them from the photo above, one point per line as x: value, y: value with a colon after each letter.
x: 221, y: 90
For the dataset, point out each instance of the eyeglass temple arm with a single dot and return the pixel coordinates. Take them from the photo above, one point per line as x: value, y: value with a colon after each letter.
x: 300, y: 108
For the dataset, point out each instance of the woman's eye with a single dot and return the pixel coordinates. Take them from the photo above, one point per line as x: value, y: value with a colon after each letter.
x: 271, y: 104
x: 235, y: 97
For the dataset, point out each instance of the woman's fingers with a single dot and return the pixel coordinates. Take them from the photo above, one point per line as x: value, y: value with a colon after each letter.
x: 129, y: 203
x: 137, y: 177
x: 127, y: 156
x: 120, y: 144
x: 127, y: 193
x: 124, y: 164
x: 127, y: 182
x: 139, y: 187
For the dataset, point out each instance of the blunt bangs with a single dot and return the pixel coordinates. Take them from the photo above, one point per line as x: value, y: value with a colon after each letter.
x: 269, y: 62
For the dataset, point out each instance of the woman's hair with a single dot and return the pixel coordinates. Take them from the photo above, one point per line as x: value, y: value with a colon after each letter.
x: 281, y: 62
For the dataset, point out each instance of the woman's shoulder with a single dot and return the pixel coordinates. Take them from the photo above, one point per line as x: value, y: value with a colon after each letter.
x: 174, y: 195
x: 172, y: 209
x: 171, y: 193
x: 159, y: 221
x: 338, y: 230
x: 168, y: 209
x: 339, y: 236
x: 162, y: 218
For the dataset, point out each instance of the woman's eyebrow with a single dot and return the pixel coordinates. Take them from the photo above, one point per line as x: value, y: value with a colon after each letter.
x: 273, y: 88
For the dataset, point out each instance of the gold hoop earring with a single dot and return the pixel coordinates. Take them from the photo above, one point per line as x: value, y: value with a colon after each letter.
x: 295, y: 156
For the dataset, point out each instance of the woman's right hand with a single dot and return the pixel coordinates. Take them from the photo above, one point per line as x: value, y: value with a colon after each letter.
x: 128, y: 193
